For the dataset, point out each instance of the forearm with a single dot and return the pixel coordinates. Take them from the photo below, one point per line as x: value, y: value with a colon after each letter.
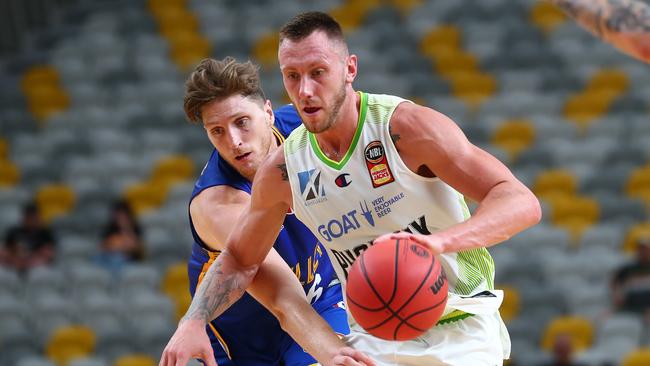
x: 507, y: 209
x: 276, y: 287
x: 223, y: 284
x: 624, y: 23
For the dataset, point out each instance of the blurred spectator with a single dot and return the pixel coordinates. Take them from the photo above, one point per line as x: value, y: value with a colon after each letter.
x: 631, y: 284
x: 28, y: 244
x: 562, y: 352
x: 121, y: 238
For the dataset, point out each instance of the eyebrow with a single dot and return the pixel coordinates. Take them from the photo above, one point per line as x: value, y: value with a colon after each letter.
x: 227, y: 118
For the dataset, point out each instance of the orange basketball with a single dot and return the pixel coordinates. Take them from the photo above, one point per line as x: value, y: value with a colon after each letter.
x: 396, y: 290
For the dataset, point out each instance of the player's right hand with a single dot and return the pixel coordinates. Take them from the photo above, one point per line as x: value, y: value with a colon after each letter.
x: 189, y: 341
x: 348, y: 356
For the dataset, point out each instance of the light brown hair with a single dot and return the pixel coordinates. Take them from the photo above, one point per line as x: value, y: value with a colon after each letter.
x: 218, y: 79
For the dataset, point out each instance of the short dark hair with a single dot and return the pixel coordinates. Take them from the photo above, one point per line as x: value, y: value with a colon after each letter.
x: 304, y: 24
x: 212, y: 79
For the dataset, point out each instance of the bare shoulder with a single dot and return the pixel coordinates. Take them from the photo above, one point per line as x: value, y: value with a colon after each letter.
x: 271, y: 183
x: 222, y: 195
x: 414, y: 127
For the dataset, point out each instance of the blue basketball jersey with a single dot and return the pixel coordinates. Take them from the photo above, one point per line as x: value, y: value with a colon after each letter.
x: 247, y: 332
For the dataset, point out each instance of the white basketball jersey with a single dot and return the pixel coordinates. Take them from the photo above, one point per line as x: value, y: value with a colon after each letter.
x: 371, y: 192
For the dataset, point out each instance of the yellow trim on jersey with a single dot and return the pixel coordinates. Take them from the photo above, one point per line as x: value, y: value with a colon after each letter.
x: 206, y: 266
x: 277, y: 134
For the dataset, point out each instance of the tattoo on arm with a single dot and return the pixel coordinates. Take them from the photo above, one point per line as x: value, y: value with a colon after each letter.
x: 604, y: 17
x: 216, y: 292
x: 283, y: 168
x: 393, y: 136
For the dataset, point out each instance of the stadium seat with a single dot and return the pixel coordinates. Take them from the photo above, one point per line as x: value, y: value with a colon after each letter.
x: 55, y: 200
x: 9, y: 174
x: 71, y: 342
x: 173, y: 169
x: 510, y: 307
x: 439, y: 40
x: 639, y: 357
x: 638, y: 184
x: 546, y: 16
x: 34, y: 361
x: 579, y: 329
x: 609, y: 79
x: 575, y: 214
x: 514, y: 136
x: 135, y: 360
x: 88, y: 361
x: 634, y: 233
x: 555, y: 183
x: 265, y: 50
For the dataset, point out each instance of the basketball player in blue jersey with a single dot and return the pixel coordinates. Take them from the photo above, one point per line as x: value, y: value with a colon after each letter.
x: 226, y: 97
x: 363, y: 166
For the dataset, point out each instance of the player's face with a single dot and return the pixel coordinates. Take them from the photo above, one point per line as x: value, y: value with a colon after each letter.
x: 316, y: 72
x: 240, y: 129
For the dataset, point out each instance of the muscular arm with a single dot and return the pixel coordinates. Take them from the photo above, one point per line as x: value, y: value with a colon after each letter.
x: 246, y: 254
x: 430, y: 142
x: 623, y: 23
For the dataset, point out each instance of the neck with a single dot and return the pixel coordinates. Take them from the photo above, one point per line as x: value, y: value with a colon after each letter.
x: 336, y: 141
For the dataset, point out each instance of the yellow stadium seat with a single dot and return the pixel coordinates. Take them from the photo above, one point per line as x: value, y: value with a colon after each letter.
x: 440, y: 39
x: 473, y: 88
x: 158, y: 6
x: 173, y: 169
x: 4, y: 149
x: 554, y: 183
x: 55, y: 200
x: 638, y: 357
x: 70, y: 342
x: 451, y: 62
x: 609, y: 79
x: 188, y: 48
x: 135, y: 360
x: 584, y: 108
x: 351, y: 13
x: 638, y: 184
x: 46, y: 99
x: 9, y: 174
x: 176, y: 280
x: 575, y: 214
x: 578, y: 329
x: 172, y: 21
x: 511, y: 302
x: 546, y: 16
x: 634, y: 234
x: 514, y: 136
x: 182, y: 302
x: 265, y: 49
x: 405, y: 6
x: 39, y: 75
x: 145, y: 196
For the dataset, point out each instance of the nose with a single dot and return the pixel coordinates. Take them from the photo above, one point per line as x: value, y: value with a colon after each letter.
x: 235, y: 138
x: 306, y: 88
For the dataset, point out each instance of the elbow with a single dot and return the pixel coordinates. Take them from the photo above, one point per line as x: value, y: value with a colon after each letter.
x: 534, y: 210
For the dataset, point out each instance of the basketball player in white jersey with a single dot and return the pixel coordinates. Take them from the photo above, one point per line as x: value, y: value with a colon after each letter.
x: 363, y: 165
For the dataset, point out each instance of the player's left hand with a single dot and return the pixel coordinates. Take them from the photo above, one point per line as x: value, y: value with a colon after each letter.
x: 430, y: 241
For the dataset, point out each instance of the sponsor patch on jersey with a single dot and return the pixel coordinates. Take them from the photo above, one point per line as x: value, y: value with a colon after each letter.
x: 343, y: 180
x: 377, y: 164
x: 312, y: 189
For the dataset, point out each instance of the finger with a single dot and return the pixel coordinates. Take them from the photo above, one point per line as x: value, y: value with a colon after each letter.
x: 163, y: 359
x: 358, y: 356
x: 182, y: 360
x: 208, y: 358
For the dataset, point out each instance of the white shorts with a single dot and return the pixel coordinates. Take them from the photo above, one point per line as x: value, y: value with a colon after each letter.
x: 479, y: 340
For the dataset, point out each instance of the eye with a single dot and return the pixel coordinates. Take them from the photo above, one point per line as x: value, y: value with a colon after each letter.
x: 292, y: 76
x: 216, y: 131
x: 317, y: 72
x: 242, y: 122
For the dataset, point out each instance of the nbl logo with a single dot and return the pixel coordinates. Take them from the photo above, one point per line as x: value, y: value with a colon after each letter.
x: 311, y: 187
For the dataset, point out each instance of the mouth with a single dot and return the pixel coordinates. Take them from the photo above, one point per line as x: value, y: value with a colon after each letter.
x: 242, y: 156
x: 311, y: 110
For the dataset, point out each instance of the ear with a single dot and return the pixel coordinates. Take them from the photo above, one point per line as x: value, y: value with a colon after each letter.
x: 268, y: 112
x: 351, y: 68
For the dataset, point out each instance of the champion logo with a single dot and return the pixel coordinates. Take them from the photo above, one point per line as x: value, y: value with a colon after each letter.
x: 343, y: 180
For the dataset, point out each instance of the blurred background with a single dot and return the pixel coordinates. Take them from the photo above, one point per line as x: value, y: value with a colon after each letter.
x: 97, y: 162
